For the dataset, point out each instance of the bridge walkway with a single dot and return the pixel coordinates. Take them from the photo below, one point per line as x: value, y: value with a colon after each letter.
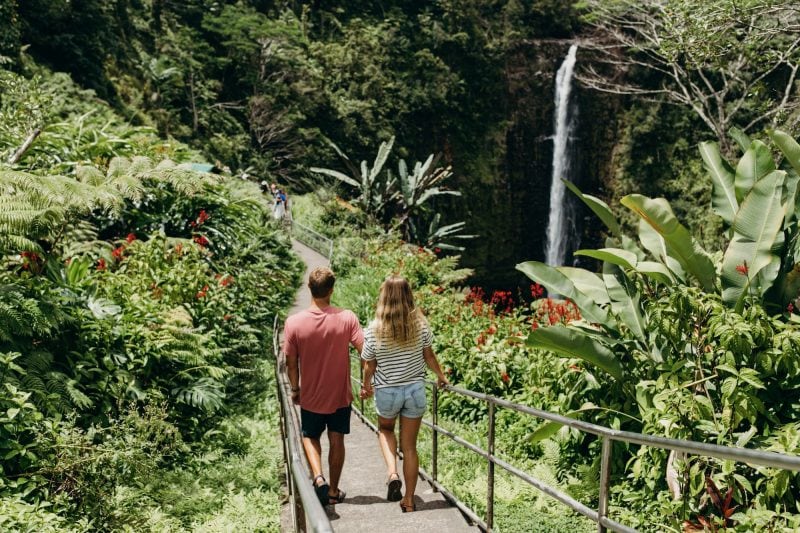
x: 365, y: 508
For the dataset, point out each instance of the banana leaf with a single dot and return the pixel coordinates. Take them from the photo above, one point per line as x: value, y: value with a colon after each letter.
x: 723, y: 198
x: 598, y: 206
x: 569, y: 342
x: 624, y: 299
x: 615, y: 256
x: 588, y: 283
x: 755, y: 164
x: 679, y: 243
x: 560, y: 283
x: 756, y: 229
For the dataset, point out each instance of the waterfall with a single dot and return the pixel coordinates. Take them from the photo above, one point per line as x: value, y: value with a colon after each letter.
x: 557, y: 230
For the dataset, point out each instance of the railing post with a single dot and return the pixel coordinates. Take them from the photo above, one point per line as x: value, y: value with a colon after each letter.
x: 435, y: 437
x: 361, y: 379
x: 490, y: 492
x: 605, y: 477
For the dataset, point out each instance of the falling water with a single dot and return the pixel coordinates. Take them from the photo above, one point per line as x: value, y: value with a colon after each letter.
x: 557, y: 229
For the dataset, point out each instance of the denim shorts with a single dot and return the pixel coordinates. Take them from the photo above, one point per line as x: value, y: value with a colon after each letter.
x: 404, y: 400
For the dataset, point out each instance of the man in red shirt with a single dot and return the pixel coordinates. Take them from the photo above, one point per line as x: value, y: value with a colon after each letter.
x: 319, y: 339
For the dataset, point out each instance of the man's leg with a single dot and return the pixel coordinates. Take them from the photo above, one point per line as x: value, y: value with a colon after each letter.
x: 338, y: 426
x: 313, y: 424
x: 314, y: 454
x: 335, y: 460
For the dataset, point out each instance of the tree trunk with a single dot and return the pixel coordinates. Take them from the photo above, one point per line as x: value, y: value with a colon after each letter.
x: 16, y: 156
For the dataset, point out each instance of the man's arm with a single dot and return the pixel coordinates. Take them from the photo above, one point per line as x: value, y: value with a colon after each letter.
x: 293, y: 371
x: 292, y: 365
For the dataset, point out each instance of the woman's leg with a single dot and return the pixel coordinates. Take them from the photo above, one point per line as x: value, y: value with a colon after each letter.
x: 388, y: 443
x: 409, y: 428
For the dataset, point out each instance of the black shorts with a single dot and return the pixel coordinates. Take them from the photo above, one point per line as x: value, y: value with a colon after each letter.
x: 314, y: 423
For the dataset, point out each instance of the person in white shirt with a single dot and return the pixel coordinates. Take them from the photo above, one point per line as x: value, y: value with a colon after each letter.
x: 397, y: 347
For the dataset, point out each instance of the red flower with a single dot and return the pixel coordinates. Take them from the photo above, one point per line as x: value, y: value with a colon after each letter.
x: 130, y: 238
x: 437, y: 250
x: 505, y: 377
x: 116, y: 253
x: 201, y: 241
x: 537, y: 291
x: 535, y: 326
x: 101, y: 264
x: 742, y: 269
x: 202, y: 217
x: 480, y: 340
x: 202, y: 292
x: 179, y: 248
x: 492, y: 330
x: 227, y: 280
x: 790, y: 307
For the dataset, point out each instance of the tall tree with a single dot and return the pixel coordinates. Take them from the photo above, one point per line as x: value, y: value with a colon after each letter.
x: 733, y: 62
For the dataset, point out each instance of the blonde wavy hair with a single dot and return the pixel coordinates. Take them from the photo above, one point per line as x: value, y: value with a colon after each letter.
x: 397, y: 319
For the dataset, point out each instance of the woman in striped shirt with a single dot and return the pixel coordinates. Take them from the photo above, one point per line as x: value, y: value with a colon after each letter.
x: 397, y: 347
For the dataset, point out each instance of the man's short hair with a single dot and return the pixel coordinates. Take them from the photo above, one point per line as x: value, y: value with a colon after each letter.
x: 320, y: 282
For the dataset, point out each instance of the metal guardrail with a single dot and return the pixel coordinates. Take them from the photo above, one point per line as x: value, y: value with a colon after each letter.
x: 607, y: 435
x: 313, y: 240
x: 307, y: 511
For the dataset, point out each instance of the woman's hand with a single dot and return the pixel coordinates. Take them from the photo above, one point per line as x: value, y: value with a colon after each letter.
x: 441, y: 381
x: 366, y: 391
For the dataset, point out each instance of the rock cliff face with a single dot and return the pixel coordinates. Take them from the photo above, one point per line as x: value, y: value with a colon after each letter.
x: 506, y: 180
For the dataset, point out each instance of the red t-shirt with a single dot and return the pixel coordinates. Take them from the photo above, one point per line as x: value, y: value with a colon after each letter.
x: 321, y: 338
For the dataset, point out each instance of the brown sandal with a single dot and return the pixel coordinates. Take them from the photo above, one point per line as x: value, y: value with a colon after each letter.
x: 408, y: 508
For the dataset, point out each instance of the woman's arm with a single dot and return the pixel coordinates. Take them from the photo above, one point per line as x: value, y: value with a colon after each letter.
x: 433, y: 364
x: 369, y: 371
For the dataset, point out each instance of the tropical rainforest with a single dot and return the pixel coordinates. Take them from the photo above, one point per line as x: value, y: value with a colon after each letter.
x: 142, y: 270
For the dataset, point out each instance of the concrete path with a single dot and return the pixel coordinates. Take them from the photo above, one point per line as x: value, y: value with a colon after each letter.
x: 365, y: 509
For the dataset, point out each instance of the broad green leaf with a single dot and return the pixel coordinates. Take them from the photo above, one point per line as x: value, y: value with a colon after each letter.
x: 655, y: 244
x: 679, y: 242
x: 380, y: 158
x: 598, y: 206
x: 615, y: 256
x: 656, y: 271
x: 336, y: 174
x: 569, y: 342
x: 755, y: 164
x: 755, y: 230
x: 624, y: 299
x: 587, y: 282
x: 548, y: 429
x: 741, y: 138
x: 558, y: 282
x: 789, y: 147
x: 723, y: 198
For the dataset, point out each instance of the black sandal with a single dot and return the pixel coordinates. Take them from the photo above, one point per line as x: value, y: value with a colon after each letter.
x: 393, y: 493
x: 322, y: 490
x: 339, y: 498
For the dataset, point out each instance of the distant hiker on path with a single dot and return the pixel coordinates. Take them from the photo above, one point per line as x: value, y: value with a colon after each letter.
x: 316, y: 345
x: 397, y: 346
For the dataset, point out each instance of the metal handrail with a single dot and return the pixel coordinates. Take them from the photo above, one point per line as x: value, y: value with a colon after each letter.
x: 608, y: 436
x: 298, y: 475
x: 314, y: 240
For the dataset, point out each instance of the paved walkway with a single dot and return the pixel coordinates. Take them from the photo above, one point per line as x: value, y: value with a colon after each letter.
x: 366, y: 509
